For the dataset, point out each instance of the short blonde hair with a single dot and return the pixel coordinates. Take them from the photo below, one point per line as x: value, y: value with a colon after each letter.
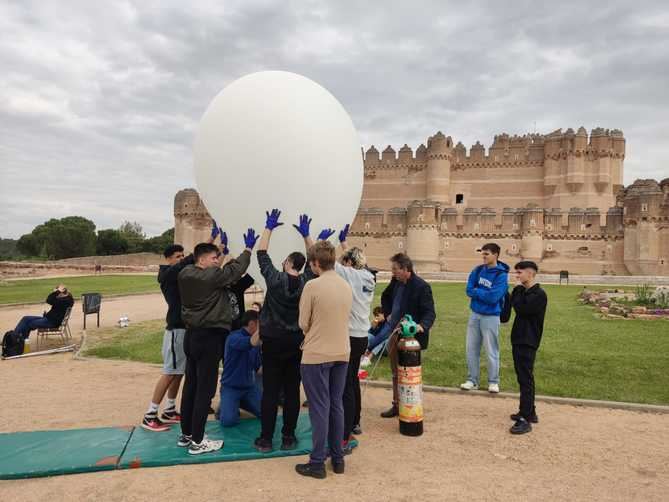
x: 323, y: 253
x: 355, y: 257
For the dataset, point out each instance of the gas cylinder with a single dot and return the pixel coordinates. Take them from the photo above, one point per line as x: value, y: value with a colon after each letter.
x: 410, y: 379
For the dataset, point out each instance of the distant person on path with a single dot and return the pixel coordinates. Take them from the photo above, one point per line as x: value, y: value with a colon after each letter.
x: 207, y: 315
x: 239, y: 387
x: 174, y: 357
x: 281, y: 336
x: 487, y: 286
x: 325, y: 311
x: 406, y: 294
x: 60, y: 300
x: 529, y: 302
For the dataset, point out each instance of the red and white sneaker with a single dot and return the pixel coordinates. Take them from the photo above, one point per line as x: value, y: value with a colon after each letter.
x: 170, y: 416
x: 153, y: 423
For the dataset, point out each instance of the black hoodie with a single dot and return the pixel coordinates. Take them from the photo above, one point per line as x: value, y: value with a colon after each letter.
x: 59, y: 305
x: 167, y: 278
x: 530, y: 307
x: 280, y: 310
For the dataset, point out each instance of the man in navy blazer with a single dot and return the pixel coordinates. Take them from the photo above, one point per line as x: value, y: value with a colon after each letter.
x: 406, y: 294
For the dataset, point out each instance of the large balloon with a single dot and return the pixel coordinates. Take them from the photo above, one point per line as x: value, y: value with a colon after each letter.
x: 277, y: 140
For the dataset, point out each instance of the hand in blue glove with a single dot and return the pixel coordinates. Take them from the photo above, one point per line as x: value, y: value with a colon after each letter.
x: 325, y: 234
x: 273, y: 219
x: 224, y: 241
x: 344, y: 233
x: 215, y: 230
x: 250, y: 238
x: 303, y: 227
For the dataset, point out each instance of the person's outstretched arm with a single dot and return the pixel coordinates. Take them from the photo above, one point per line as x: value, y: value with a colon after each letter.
x: 271, y: 223
x: 232, y: 271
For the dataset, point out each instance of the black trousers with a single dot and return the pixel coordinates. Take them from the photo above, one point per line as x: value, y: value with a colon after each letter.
x: 523, y: 362
x: 203, y: 352
x: 281, y: 359
x: 352, y: 400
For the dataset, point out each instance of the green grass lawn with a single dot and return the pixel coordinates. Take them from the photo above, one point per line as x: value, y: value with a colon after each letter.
x: 580, y: 356
x: 36, y: 290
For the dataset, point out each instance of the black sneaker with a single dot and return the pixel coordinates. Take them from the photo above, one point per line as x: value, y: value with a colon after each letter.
x: 338, y: 467
x: 170, y: 416
x: 184, y: 440
x: 534, y: 419
x: 357, y: 430
x: 393, y: 411
x: 312, y: 470
x: 522, y: 426
x: 262, y: 445
x: 288, y: 443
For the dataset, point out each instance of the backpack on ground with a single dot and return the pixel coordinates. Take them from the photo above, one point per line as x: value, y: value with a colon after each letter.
x: 12, y: 344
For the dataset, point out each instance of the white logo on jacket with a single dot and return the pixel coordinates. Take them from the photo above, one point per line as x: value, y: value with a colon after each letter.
x: 485, y: 282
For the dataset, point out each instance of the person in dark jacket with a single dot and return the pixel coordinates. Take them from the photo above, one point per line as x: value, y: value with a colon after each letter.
x: 529, y: 303
x: 406, y: 294
x: 281, y: 336
x: 60, y: 300
x: 206, y: 312
x: 174, y: 357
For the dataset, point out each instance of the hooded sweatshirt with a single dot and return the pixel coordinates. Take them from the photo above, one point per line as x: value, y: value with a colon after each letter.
x: 362, y: 283
x: 167, y: 278
x: 486, y: 287
x: 280, y: 310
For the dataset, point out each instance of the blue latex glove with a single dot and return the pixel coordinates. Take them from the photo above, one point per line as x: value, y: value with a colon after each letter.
x: 273, y: 219
x: 303, y: 227
x: 215, y: 230
x: 325, y: 234
x: 250, y: 238
x: 224, y: 241
x: 344, y: 233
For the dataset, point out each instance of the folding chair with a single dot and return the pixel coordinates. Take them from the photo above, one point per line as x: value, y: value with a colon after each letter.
x: 63, y: 330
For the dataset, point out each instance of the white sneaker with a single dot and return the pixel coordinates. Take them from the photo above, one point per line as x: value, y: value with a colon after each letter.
x: 206, y: 446
x: 493, y: 388
x: 365, y: 362
x: 469, y: 385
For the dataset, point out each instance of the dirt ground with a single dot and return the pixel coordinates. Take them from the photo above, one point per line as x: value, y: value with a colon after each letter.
x: 466, y: 452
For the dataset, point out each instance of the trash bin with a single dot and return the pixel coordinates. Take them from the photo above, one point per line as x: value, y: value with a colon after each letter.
x: 91, y: 302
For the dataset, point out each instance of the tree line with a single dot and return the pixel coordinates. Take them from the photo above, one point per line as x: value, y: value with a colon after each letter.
x: 75, y: 236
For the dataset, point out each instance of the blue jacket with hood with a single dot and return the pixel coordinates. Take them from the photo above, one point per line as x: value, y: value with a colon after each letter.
x: 486, y: 287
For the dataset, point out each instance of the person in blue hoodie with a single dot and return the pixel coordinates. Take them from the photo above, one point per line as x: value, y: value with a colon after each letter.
x: 487, y: 286
x: 239, y: 388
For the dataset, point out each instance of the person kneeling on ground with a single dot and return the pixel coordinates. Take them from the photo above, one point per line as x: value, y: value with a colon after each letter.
x: 60, y: 300
x: 325, y: 309
x: 529, y: 302
x: 239, y: 387
x: 376, y: 335
x: 207, y: 314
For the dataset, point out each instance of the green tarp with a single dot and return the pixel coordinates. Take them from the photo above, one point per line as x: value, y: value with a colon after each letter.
x: 50, y: 453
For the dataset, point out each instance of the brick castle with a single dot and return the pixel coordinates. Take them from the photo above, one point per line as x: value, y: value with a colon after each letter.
x: 557, y: 199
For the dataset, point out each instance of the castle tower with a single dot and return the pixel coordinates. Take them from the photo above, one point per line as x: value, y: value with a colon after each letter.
x: 423, y: 221
x: 192, y: 222
x: 438, y: 180
x: 532, y: 228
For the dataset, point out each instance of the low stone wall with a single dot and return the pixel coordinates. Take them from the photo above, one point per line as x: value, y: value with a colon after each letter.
x: 121, y: 260
x: 18, y: 269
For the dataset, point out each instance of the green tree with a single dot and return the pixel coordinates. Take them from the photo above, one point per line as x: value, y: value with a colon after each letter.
x: 133, y: 233
x: 111, y: 241
x: 158, y: 243
x: 67, y: 237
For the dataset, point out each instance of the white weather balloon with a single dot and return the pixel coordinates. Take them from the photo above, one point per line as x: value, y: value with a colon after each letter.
x: 277, y: 140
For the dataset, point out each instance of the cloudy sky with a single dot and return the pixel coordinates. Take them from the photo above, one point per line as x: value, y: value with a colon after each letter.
x: 99, y: 103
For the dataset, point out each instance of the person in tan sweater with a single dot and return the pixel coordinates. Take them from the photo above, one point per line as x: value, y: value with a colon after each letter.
x: 325, y: 308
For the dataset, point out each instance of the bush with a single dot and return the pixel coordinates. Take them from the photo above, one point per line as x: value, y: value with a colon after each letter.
x: 644, y: 294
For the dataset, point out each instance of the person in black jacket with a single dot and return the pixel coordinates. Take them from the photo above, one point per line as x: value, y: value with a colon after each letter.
x: 174, y: 356
x: 60, y: 300
x: 529, y: 303
x: 406, y: 294
x: 281, y: 336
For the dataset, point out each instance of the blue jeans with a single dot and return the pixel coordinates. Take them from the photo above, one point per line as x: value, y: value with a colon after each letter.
x: 234, y: 398
x: 483, y: 329
x: 31, y: 322
x: 324, y: 385
x: 375, y: 342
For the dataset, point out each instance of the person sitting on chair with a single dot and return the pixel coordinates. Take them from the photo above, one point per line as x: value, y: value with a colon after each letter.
x: 60, y: 300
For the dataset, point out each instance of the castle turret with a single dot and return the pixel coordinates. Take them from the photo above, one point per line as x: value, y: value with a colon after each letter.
x: 192, y: 221
x: 438, y: 180
x: 532, y: 233
x: 423, y: 235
